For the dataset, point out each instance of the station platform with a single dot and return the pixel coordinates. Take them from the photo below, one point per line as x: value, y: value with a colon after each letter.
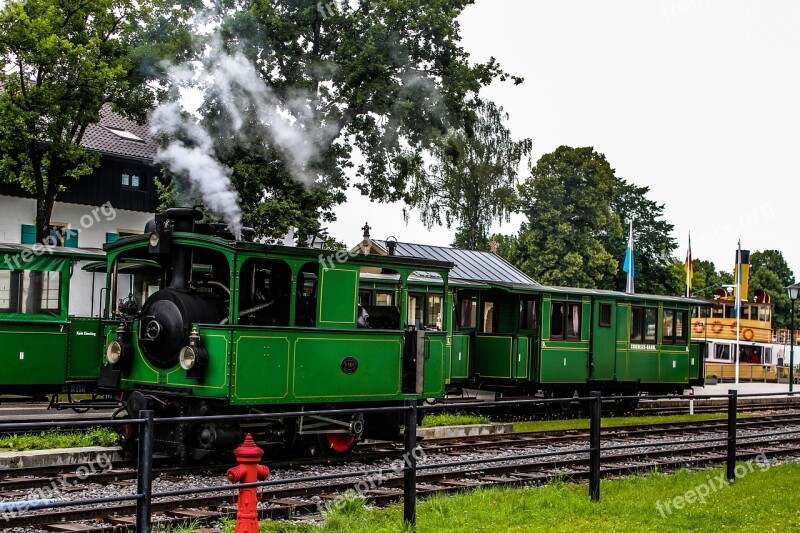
x: 747, y: 388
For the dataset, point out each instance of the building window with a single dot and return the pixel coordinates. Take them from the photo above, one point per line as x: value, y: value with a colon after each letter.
x: 132, y: 180
x: 60, y: 235
x: 605, y: 316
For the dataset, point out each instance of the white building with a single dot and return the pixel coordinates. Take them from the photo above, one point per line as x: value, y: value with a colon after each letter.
x: 116, y: 200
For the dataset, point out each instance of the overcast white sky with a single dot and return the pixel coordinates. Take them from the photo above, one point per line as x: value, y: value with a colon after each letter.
x: 697, y: 99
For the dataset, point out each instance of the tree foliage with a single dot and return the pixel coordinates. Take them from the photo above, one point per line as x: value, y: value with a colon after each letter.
x: 474, y: 179
x: 653, y: 241
x: 567, y: 201
x: 64, y: 60
x: 773, y: 260
x: 379, y: 82
x: 576, y: 233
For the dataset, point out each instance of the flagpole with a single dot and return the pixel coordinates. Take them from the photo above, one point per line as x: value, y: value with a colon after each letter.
x: 689, y: 272
x: 629, y: 262
x: 738, y: 303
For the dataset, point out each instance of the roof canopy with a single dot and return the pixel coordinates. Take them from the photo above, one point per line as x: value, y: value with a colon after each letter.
x: 470, y: 265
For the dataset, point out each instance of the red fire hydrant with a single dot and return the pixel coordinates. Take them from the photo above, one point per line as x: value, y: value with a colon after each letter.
x: 248, y: 455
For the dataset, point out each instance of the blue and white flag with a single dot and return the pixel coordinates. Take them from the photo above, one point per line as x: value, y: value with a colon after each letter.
x: 628, y: 265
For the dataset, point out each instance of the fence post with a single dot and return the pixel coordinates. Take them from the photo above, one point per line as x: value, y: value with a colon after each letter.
x: 144, y: 466
x: 410, y: 475
x: 731, y: 463
x: 594, y: 445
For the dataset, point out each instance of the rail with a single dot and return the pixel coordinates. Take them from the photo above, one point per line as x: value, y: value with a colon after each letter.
x: 146, y: 424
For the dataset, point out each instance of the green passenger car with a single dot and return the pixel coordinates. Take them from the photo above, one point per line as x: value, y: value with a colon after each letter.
x: 525, y: 339
x: 45, y: 350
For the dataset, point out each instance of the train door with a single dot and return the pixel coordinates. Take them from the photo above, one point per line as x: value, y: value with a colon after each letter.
x: 603, y: 340
x: 528, y: 341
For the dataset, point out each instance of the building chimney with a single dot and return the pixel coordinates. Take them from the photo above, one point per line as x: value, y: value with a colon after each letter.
x: 391, y: 245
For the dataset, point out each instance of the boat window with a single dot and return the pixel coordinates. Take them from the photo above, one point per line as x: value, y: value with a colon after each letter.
x: 722, y: 351
x: 717, y: 311
x: 763, y: 313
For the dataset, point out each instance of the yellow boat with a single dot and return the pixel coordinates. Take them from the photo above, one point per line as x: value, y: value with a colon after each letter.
x: 763, y: 353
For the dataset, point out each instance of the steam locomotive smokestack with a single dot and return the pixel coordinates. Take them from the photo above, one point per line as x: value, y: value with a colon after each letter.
x: 183, y: 219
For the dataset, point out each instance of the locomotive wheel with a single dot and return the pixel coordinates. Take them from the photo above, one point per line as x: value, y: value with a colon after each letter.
x: 338, y: 443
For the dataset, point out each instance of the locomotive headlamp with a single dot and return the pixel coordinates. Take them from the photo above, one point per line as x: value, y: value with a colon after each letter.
x: 154, y: 239
x: 193, y: 358
x: 188, y: 357
x: 114, y: 352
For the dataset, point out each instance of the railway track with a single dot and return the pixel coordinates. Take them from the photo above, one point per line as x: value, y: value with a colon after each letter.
x: 567, y: 461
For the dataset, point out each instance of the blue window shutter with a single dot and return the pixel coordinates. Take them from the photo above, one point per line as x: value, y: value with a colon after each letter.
x: 71, y: 238
x: 112, y: 237
x: 28, y: 234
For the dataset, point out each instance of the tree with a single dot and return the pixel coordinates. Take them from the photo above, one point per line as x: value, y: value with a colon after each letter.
x: 567, y: 201
x: 474, y: 179
x: 765, y: 279
x: 64, y: 60
x: 653, y: 241
x: 382, y: 81
x: 773, y: 260
x: 706, y: 279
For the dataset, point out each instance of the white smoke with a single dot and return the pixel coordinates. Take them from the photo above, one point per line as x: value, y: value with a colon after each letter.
x: 251, y: 114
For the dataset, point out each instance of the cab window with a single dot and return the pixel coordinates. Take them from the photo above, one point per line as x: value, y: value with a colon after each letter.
x: 468, y: 312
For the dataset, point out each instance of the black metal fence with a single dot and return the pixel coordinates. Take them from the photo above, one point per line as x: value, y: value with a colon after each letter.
x: 146, y: 427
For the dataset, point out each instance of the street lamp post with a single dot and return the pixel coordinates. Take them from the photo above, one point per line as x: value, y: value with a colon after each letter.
x: 794, y: 292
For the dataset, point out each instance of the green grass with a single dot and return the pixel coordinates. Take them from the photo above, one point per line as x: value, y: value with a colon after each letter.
x: 760, y: 501
x: 583, y: 423
x: 51, y: 439
x: 453, y: 419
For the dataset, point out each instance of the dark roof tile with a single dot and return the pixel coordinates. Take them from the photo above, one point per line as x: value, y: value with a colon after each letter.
x: 100, y: 138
